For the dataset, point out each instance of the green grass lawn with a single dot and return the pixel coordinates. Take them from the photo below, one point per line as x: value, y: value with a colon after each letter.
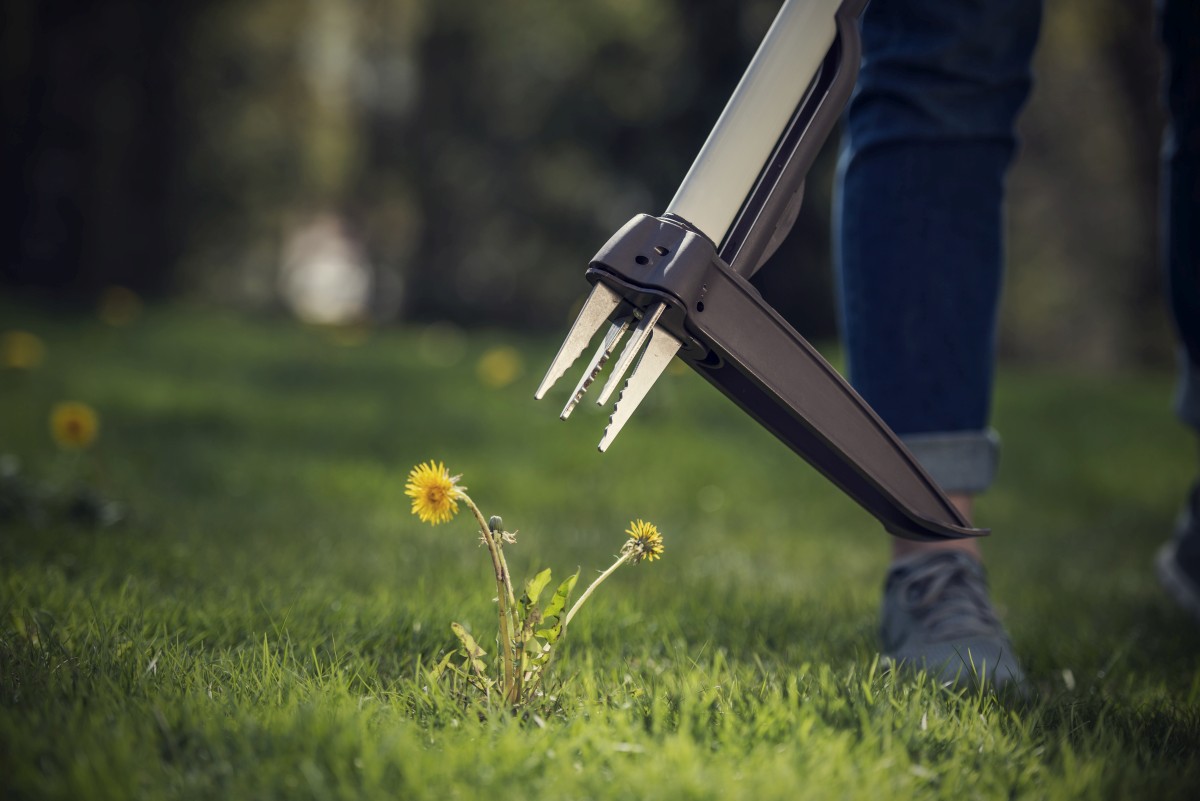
x: 260, y: 623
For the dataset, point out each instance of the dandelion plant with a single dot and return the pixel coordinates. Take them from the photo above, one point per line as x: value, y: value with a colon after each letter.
x: 528, y: 634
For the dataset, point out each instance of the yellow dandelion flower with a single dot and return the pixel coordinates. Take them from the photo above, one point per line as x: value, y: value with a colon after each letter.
x: 644, y: 541
x: 499, y: 367
x: 434, y: 492
x: 74, y: 425
x: 21, y: 350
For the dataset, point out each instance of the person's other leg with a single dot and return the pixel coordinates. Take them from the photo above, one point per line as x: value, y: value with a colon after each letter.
x: 919, y: 245
x: 1179, y: 21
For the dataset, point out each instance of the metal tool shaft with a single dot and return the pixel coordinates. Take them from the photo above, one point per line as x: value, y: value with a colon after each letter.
x: 748, y: 129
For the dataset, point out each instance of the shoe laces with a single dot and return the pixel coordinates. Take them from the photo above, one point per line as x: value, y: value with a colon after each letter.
x: 948, y: 594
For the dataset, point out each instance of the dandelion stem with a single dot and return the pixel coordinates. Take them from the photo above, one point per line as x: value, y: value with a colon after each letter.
x: 517, y: 638
x: 504, y: 594
x: 512, y: 600
x: 625, y: 557
x: 502, y: 576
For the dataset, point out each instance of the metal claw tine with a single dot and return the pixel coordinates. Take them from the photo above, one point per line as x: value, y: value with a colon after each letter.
x: 600, y: 304
x: 601, y: 357
x: 636, y: 340
x: 659, y: 352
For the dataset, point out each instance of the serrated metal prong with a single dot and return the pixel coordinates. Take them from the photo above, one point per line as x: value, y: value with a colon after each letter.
x: 600, y: 304
x: 659, y: 352
x: 636, y: 340
x: 611, y: 339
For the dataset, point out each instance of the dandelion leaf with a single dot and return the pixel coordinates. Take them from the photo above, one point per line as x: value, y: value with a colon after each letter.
x: 540, y: 651
x: 551, y: 634
x: 561, y: 597
x: 471, y: 648
x: 436, y: 673
x: 534, y: 587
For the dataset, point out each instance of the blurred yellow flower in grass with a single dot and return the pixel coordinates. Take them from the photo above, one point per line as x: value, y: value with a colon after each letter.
x: 74, y: 425
x: 645, y: 543
x: 498, y: 367
x: 434, y: 492
x: 119, y: 306
x: 21, y: 350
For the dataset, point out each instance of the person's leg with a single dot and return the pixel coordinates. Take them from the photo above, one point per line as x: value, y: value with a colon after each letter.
x: 919, y: 245
x: 1179, y: 21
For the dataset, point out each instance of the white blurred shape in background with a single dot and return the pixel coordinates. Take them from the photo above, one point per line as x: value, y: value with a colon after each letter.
x: 324, y: 277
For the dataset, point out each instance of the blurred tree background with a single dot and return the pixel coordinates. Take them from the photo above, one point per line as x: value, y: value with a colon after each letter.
x: 425, y: 160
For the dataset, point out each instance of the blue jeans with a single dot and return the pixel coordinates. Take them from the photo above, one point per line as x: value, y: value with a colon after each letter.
x: 1179, y: 25
x: 919, y: 219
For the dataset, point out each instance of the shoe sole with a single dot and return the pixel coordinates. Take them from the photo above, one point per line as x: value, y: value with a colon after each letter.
x: 1177, y: 584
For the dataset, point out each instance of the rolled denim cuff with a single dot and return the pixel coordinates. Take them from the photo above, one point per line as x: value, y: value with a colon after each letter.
x: 1187, y: 398
x: 959, y: 461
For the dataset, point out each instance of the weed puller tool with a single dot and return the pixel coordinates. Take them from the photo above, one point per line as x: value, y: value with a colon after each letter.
x: 676, y: 284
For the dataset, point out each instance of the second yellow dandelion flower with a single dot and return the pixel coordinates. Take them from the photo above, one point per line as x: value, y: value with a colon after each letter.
x: 74, y: 425
x: 644, y: 541
x: 21, y: 350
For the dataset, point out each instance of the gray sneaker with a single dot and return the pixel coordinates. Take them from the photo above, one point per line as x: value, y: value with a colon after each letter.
x: 937, y: 617
x: 1178, y: 560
